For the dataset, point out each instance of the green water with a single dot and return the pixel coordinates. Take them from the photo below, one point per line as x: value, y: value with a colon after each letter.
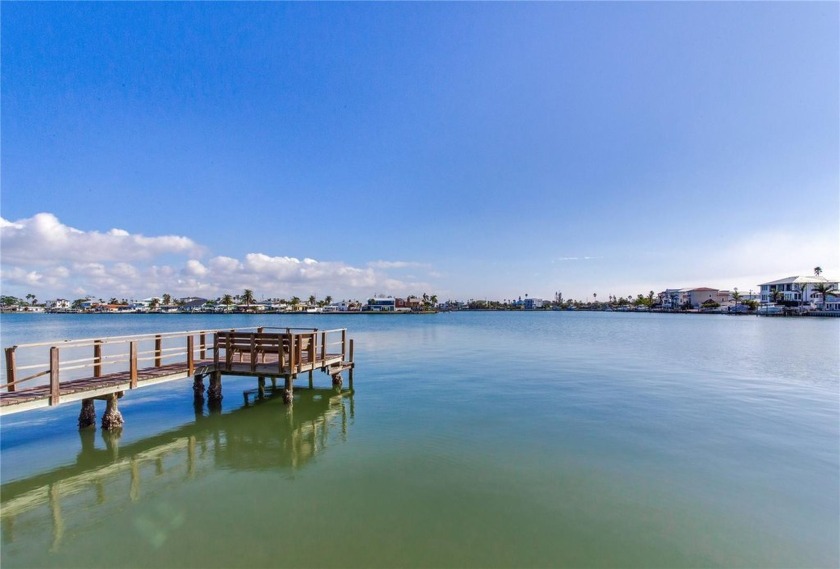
x: 471, y: 440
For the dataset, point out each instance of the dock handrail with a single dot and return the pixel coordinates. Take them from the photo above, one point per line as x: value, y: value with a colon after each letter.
x: 289, y: 347
x: 131, y: 350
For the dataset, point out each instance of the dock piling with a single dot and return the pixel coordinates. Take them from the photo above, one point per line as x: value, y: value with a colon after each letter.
x: 87, y: 416
x: 198, y: 387
x: 288, y: 392
x: 352, y: 362
x: 112, y: 419
x: 214, y: 392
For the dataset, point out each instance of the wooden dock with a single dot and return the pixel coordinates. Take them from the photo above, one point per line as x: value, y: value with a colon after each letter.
x: 50, y: 374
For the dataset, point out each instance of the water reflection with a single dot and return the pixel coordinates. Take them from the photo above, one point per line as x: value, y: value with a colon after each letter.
x: 265, y: 434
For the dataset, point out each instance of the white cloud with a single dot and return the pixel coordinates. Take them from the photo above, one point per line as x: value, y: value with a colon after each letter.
x: 40, y: 254
x: 224, y: 264
x: 195, y: 269
x: 43, y: 239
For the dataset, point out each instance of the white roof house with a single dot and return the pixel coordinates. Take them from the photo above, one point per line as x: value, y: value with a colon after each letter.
x: 796, y: 289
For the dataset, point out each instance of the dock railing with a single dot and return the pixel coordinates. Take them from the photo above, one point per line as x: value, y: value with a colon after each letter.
x: 288, y: 348
x: 31, y: 365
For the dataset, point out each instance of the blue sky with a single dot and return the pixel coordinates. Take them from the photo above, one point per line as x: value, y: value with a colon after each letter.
x: 472, y: 150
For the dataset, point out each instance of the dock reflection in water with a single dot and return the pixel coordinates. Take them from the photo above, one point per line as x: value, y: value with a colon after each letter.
x: 265, y: 434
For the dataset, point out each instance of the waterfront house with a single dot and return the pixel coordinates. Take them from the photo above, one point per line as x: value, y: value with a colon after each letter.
x: 58, y: 305
x: 533, y: 303
x: 800, y: 290
x: 381, y: 304
x: 192, y: 304
x: 676, y: 298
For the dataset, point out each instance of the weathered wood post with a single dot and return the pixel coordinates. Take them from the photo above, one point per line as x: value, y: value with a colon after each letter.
x: 112, y: 419
x: 55, y: 386
x: 158, y: 350
x: 288, y: 393
x: 190, y: 355
x: 198, y: 388
x: 10, y: 368
x: 202, y: 346
x: 261, y: 387
x: 87, y: 416
x: 132, y: 357
x: 97, y: 358
x: 214, y: 392
x: 352, y: 363
x: 252, y: 354
x: 312, y: 351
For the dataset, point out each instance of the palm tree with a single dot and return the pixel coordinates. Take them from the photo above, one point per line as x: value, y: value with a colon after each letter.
x: 227, y: 300
x: 824, y: 289
x: 328, y: 300
x: 801, y: 288
x: 248, y: 297
x: 312, y: 300
x: 817, y: 271
x: 650, y: 296
x: 167, y: 299
x: 294, y: 302
x: 776, y: 295
x: 736, y: 296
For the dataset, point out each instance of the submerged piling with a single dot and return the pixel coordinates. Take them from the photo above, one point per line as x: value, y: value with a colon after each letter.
x: 214, y: 392
x: 112, y: 419
x: 198, y: 387
x: 87, y: 416
x: 288, y: 392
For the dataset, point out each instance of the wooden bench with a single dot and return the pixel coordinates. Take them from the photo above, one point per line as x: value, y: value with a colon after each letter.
x: 264, y: 348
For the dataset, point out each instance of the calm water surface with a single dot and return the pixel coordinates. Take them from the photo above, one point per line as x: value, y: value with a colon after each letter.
x: 472, y: 440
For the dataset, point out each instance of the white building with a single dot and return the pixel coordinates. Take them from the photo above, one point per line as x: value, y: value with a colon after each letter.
x: 533, y: 303
x: 58, y: 304
x: 801, y: 290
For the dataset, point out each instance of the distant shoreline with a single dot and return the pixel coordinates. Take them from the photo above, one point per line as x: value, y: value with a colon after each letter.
x: 823, y: 314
